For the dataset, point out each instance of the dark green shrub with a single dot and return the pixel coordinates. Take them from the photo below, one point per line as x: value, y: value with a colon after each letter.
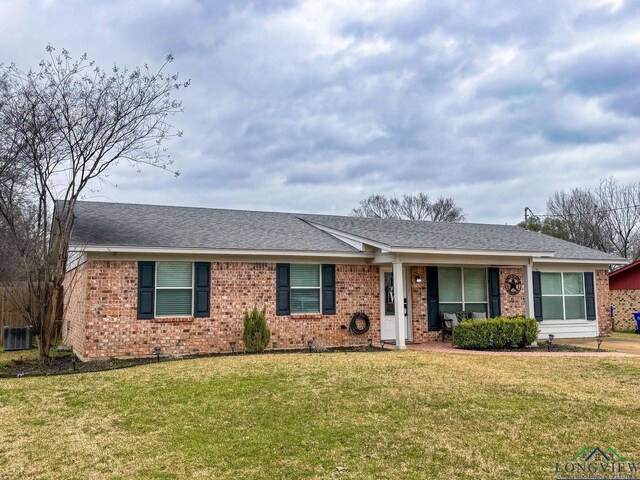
x: 500, y: 332
x: 256, y: 335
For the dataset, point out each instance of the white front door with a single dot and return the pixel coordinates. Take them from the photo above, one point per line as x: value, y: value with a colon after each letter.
x: 387, y: 305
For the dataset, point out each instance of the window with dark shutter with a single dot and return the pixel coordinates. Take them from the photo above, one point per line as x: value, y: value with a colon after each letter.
x: 537, y: 296
x: 146, y: 289
x: 202, y: 290
x: 433, y: 306
x: 329, y: 289
x: 494, y: 292
x: 282, y: 289
x: 590, y: 295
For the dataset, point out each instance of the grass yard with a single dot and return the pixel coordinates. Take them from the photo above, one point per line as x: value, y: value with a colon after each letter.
x: 334, y: 415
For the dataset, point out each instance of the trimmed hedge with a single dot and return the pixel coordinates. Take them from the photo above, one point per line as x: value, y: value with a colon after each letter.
x: 499, y: 332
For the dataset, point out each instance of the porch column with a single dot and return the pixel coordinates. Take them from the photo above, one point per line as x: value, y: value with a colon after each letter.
x: 528, y: 293
x: 398, y: 287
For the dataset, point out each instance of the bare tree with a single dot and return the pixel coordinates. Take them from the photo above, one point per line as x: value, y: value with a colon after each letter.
x: 409, y: 207
x: 620, y: 205
x: 581, y: 217
x: 606, y: 218
x: 62, y: 127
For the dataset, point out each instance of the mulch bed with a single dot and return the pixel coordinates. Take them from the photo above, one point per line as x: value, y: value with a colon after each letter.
x: 63, y: 364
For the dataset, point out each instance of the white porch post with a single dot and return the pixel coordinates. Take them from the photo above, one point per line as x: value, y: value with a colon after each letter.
x: 398, y: 287
x: 528, y: 293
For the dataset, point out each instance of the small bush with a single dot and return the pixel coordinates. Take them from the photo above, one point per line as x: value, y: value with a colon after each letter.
x: 256, y: 335
x: 500, y: 332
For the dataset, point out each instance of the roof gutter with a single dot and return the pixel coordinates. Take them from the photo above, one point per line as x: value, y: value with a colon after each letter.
x: 220, y: 251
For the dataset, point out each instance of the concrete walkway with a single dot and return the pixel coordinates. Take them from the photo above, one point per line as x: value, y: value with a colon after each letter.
x: 447, y: 347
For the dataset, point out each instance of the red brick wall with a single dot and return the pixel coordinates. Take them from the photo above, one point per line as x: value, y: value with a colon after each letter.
x: 604, y: 302
x: 112, y: 329
x: 626, y: 302
x: 419, y: 321
x: 75, y: 307
x: 511, y: 305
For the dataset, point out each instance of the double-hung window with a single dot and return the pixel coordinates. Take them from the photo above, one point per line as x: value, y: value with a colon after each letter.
x: 563, y: 296
x: 174, y: 289
x: 462, y: 289
x: 305, y: 288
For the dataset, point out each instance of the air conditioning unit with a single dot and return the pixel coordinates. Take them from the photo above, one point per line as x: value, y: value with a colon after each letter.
x: 17, y: 338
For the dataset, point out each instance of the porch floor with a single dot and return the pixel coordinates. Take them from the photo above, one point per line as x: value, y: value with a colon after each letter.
x: 448, y: 347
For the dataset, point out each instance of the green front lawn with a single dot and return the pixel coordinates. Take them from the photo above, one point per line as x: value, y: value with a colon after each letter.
x: 334, y: 415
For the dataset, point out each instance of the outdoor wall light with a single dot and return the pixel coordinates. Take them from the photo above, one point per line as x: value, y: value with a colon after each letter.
x: 418, y: 279
x: 232, y: 344
x: 156, y: 351
x: 599, y: 341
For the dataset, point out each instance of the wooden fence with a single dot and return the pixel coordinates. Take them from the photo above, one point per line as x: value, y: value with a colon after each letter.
x: 9, y: 315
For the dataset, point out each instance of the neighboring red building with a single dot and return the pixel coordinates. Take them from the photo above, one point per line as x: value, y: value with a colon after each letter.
x: 624, y: 285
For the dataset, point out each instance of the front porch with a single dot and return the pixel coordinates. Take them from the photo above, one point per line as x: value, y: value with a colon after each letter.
x: 430, y: 290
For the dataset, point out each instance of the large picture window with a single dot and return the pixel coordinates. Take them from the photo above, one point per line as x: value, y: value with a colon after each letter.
x: 305, y: 288
x: 562, y: 296
x: 174, y: 289
x: 462, y: 289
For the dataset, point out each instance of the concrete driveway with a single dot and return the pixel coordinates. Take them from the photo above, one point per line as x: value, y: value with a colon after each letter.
x: 618, y: 342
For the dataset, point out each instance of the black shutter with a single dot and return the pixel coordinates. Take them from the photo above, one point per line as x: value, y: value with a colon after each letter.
x: 282, y: 289
x: 328, y: 289
x: 146, y: 289
x: 433, y: 308
x: 537, y: 296
x: 590, y: 295
x: 494, y: 292
x: 202, y: 290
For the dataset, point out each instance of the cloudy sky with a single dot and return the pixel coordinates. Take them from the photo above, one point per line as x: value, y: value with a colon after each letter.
x: 310, y: 106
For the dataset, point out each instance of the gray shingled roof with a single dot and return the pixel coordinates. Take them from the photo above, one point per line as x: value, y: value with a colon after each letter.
x: 461, y: 236
x: 134, y: 225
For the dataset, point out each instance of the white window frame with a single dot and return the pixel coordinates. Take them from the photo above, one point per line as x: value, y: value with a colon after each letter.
x: 462, y: 302
x: 319, y: 288
x: 562, y: 295
x: 156, y: 288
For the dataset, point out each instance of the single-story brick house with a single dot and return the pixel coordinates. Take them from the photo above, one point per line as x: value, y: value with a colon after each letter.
x: 178, y: 278
x: 624, y: 284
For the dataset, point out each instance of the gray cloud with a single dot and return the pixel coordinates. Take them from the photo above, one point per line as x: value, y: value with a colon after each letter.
x: 310, y: 106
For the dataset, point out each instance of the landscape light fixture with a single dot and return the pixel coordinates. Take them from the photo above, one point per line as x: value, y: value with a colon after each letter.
x: 549, y: 342
x: 273, y: 346
x: 599, y: 341
x: 369, y: 342
x: 310, y: 344
x: 74, y: 359
x: 157, y: 351
x: 381, y: 344
x: 232, y: 344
